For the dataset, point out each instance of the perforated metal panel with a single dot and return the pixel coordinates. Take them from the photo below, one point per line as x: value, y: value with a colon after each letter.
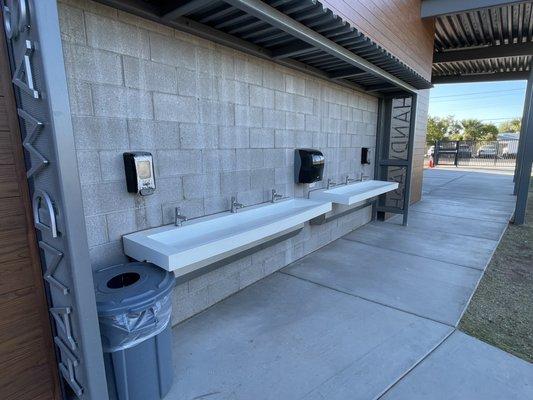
x: 44, y: 114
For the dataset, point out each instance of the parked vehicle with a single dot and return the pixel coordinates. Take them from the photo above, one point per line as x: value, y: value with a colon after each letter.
x: 465, y: 150
x: 431, y: 151
x: 488, y: 151
x: 510, y: 148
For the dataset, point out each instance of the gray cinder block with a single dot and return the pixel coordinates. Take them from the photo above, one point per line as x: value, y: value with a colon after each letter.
x: 116, y: 101
x: 107, y: 34
x: 147, y: 75
x: 169, y: 107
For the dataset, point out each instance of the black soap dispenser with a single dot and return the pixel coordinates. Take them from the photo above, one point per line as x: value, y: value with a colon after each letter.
x: 308, y: 165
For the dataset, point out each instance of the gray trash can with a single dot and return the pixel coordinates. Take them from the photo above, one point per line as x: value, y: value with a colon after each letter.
x: 134, y: 304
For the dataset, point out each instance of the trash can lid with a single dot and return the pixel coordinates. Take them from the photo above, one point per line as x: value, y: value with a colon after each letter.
x: 130, y: 287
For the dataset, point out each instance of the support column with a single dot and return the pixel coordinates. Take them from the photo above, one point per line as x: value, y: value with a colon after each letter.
x: 525, y: 156
x: 521, y: 142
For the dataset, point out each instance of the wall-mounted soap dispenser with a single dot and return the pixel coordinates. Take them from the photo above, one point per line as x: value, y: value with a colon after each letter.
x: 308, y: 165
x: 365, y: 155
x: 139, y: 167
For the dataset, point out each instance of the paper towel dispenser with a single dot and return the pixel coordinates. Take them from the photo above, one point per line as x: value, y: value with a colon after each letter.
x: 308, y: 165
x: 365, y: 155
x: 139, y: 167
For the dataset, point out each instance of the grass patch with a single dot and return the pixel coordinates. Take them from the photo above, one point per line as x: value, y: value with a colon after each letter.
x: 501, y: 310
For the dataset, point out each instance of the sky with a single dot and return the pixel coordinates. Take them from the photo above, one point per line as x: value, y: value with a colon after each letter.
x: 489, y: 101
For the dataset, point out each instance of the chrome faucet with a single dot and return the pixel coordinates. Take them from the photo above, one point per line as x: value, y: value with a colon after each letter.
x: 275, y: 196
x: 234, y: 205
x: 178, y: 218
x: 331, y: 183
x: 347, y: 180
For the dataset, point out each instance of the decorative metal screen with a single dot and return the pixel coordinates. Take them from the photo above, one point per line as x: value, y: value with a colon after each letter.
x: 395, y: 152
x: 32, y: 28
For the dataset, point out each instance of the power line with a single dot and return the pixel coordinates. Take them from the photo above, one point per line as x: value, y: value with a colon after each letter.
x: 473, y: 93
x: 474, y: 99
x: 499, y: 119
x: 486, y: 119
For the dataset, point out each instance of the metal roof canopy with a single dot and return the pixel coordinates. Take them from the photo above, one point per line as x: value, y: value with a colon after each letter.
x: 488, y: 40
x: 480, y: 40
x: 300, y: 34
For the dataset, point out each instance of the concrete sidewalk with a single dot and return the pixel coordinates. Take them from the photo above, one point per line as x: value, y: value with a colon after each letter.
x: 371, y: 315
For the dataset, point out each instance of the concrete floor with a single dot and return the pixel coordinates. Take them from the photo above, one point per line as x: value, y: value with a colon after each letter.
x: 371, y: 315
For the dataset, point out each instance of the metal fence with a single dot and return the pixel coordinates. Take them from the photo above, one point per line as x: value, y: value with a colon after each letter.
x: 470, y: 153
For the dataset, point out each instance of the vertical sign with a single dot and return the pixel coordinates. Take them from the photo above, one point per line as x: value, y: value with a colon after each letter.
x: 395, y: 148
x: 39, y: 81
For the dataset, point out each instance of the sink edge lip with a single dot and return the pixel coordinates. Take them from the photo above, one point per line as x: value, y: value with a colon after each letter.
x: 347, y: 199
x: 133, y: 245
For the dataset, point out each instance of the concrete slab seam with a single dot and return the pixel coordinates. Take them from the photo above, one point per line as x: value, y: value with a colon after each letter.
x: 469, y: 218
x: 367, y: 299
x: 416, y: 364
x: 412, y: 254
x: 442, y: 186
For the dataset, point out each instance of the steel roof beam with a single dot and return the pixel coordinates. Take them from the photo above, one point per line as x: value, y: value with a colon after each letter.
x: 379, y: 87
x: 480, y: 53
x: 186, y: 8
x: 292, y: 50
x: 283, y: 22
x: 435, y: 8
x: 497, y: 76
x: 346, y: 73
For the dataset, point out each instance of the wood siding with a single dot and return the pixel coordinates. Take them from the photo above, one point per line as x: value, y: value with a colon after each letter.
x: 397, y: 27
x: 27, y: 360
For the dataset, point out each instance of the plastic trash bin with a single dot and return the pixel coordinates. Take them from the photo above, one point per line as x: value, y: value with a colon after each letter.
x: 134, y: 304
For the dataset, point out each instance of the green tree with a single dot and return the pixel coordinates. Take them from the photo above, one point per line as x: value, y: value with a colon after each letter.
x: 489, y: 132
x: 437, y: 129
x: 474, y: 129
x: 512, y: 125
x: 455, y: 129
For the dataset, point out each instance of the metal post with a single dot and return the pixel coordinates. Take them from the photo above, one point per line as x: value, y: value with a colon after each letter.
x: 436, y: 152
x: 380, y: 133
x: 456, y: 161
x: 496, y: 152
x: 521, y: 140
x: 409, y: 168
x: 526, y: 159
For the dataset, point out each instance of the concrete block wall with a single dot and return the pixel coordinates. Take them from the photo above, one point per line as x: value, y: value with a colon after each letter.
x: 218, y: 123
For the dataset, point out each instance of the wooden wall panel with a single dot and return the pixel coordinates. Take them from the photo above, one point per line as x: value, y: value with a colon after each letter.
x: 395, y: 25
x: 27, y: 358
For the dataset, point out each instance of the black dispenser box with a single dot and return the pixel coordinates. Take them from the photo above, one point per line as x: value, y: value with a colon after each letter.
x: 308, y: 165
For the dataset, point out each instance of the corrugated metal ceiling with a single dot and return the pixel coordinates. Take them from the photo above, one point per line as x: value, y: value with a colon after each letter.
x: 485, y: 66
x: 282, y: 46
x: 498, y: 26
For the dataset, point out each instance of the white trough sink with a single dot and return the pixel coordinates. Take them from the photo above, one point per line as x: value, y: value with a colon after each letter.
x: 354, y: 192
x: 205, y: 240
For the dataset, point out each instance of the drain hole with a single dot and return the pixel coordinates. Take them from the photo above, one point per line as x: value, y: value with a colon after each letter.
x: 123, y: 280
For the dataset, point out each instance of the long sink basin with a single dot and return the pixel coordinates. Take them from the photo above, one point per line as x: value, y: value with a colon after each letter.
x: 354, y: 192
x: 209, y: 239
